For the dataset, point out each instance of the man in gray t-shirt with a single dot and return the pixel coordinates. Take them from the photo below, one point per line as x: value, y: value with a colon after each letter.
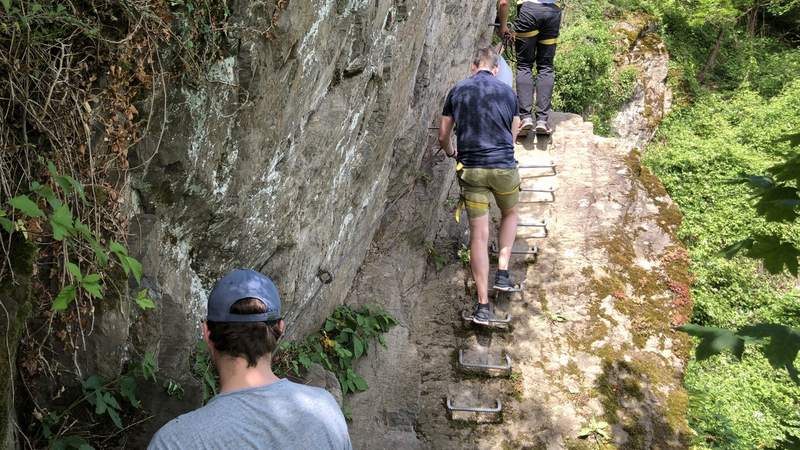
x: 255, y: 409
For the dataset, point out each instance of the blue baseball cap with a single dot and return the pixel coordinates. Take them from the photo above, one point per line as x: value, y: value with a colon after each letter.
x: 238, y: 285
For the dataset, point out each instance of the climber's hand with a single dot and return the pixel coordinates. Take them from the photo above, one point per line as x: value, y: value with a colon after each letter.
x: 504, y: 32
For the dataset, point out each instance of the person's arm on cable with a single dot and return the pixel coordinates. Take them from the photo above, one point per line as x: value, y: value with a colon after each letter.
x: 502, y: 14
x: 445, y: 129
x: 446, y: 126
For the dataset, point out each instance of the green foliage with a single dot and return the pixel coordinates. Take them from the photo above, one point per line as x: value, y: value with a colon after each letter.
x: 740, y: 405
x: 596, y: 431
x: 777, y: 201
x: 203, y: 370
x: 781, y: 343
x: 736, y: 404
x: 463, y: 255
x: 69, y: 229
x: 439, y: 260
x: 173, y: 389
x: 102, y: 399
x: 199, y: 26
x: 345, y: 337
x: 761, y: 62
x: 588, y: 80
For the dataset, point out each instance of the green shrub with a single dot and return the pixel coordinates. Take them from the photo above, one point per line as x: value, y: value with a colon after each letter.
x: 344, y: 338
x: 697, y: 151
x: 588, y: 81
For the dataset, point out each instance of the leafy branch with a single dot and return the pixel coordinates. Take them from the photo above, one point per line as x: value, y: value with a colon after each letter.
x: 345, y: 337
x: 26, y: 213
x: 779, y: 343
x: 777, y: 200
x: 107, y: 399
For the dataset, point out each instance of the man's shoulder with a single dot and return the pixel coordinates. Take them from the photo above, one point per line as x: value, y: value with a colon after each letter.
x: 503, y: 87
x: 185, y: 428
x: 312, y: 393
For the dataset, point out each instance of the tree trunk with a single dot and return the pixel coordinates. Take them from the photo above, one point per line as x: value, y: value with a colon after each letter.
x: 712, y: 58
x: 752, y: 21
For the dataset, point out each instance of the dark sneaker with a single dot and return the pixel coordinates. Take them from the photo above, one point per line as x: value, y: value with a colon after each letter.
x: 502, y: 282
x: 542, y: 127
x: 482, y: 314
x: 525, y: 127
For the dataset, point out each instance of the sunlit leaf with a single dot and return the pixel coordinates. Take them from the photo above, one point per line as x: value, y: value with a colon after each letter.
x: 118, y: 248
x: 94, y: 289
x: 136, y: 268
x: 127, y: 389
x: 7, y: 225
x: 64, y: 298
x: 74, y: 270
x: 25, y: 205
x: 61, y: 222
x: 144, y: 301
x: 358, y: 347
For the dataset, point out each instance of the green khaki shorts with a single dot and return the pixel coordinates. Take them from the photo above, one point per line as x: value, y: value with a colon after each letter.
x: 477, y: 183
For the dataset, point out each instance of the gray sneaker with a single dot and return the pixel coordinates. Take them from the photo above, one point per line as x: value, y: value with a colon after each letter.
x: 503, y: 283
x: 542, y: 128
x: 482, y: 314
x: 525, y: 127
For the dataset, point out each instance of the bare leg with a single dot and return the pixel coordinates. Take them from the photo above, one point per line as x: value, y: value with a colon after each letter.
x: 479, y: 255
x: 508, y: 232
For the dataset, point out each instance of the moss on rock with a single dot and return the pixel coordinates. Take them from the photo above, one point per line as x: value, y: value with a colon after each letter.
x: 15, y: 291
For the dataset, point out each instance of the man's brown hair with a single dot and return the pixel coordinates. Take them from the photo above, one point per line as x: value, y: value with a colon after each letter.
x: 249, y: 340
x: 485, y: 57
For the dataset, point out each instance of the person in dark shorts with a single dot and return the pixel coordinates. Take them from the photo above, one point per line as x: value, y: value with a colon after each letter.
x: 484, y: 111
x: 536, y: 34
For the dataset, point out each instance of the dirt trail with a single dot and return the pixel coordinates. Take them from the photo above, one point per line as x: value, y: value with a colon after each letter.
x: 591, y: 337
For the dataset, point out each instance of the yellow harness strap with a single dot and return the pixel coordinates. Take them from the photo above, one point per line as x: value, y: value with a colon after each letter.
x: 526, y: 34
x: 516, y: 189
x: 463, y: 202
x: 552, y: 41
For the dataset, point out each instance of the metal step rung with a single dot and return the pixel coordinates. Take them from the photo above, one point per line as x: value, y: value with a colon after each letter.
x: 551, y: 166
x: 506, y: 367
x: 476, y: 409
x: 533, y: 250
x: 541, y: 224
x: 468, y: 317
x: 548, y: 190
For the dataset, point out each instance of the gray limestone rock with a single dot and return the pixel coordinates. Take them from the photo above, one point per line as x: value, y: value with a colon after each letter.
x: 319, y: 377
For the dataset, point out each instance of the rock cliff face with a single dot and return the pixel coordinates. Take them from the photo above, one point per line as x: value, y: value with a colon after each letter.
x: 285, y: 158
x: 639, y: 117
